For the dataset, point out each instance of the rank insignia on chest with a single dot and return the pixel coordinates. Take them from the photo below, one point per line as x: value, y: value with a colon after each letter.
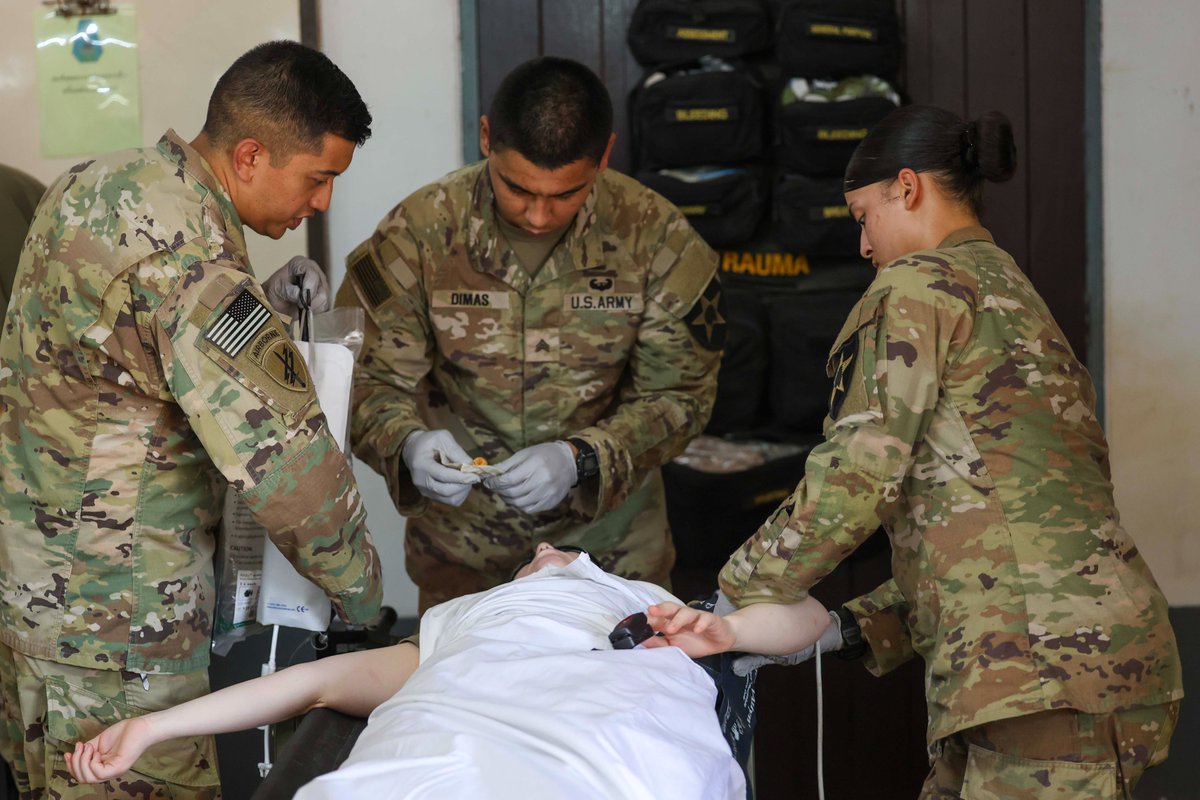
x: 238, y: 324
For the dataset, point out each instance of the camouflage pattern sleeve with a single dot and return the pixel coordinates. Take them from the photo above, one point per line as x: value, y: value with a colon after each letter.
x: 667, y: 394
x: 232, y: 367
x: 881, y: 616
x: 885, y: 363
x: 397, y: 354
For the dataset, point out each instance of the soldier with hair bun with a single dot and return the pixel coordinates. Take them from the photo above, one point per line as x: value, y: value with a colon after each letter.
x: 143, y: 370
x: 962, y: 422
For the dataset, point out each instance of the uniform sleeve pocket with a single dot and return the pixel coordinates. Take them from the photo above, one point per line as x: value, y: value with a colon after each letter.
x: 247, y: 342
x: 849, y: 392
x: 996, y: 776
x: 75, y: 714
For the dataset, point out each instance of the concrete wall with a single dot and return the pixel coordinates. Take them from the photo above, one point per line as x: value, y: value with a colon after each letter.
x: 1151, y: 154
x: 403, y: 55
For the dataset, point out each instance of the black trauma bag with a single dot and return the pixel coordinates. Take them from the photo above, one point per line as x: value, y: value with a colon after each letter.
x: 723, y: 204
x: 835, y: 38
x: 811, y: 216
x: 742, y: 379
x: 712, y: 513
x: 818, y: 138
x: 692, y: 115
x: 801, y: 328
x: 675, y: 30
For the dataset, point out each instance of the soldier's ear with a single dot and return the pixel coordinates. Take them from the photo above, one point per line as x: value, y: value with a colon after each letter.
x: 911, y: 188
x: 246, y: 157
x: 485, y: 137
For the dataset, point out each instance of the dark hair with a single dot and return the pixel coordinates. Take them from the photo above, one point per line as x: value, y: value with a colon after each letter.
x: 287, y: 96
x: 961, y: 155
x: 553, y: 111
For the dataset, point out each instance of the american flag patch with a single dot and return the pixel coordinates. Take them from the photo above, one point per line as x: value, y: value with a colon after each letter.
x: 237, y: 325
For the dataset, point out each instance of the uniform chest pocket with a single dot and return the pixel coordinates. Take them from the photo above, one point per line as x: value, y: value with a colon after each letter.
x: 601, y: 321
x: 474, y: 326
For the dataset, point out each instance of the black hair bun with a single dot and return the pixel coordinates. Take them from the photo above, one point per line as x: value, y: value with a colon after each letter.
x: 995, y: 150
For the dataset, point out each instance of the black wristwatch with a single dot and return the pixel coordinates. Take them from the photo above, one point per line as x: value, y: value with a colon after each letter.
x: 853, y: 647
x: 587, y: 463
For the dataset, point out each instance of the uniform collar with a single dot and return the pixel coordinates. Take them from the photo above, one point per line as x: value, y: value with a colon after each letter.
x: 179, y: 152
x: 971, y: 233
x: 489, y: 250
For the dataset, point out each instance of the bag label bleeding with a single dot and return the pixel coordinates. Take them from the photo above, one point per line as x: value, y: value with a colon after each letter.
x: 702, y: 114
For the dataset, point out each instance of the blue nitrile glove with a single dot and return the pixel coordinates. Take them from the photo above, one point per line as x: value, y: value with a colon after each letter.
x: 434, y: 480
x: 536, y: 478
x: 292, y: 281
x: 830, y: 640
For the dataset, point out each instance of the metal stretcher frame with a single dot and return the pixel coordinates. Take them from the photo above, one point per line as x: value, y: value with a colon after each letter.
x: 320, y: 744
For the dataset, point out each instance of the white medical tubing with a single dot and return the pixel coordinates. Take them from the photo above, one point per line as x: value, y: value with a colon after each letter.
x: 820, y: 726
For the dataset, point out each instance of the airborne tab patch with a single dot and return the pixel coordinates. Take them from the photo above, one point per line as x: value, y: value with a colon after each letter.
x: 238, y: 324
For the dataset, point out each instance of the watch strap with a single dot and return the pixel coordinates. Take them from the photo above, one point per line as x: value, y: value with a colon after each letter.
x: 587, y: 463
x: 853, y: 647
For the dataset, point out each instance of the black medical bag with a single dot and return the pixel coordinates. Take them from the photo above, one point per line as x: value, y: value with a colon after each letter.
x: 817, y: 138
x: 674, y: 30
x: 742, y: 379
x: 724, y: 205
x: 836, y: 38
x: 688, y: 115
x: 801, y: 328
x: 810, y: 215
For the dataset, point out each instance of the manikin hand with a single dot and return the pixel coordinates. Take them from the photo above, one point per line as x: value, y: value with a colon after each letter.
x: 111, y: 753
x: 698, y: 633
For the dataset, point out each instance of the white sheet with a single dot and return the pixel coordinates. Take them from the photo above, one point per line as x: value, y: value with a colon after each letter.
x: 511, y: 701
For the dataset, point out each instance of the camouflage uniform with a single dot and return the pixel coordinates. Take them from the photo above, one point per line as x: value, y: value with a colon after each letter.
x: 141, y: 371
x: 961, y: 420
x: 615, y: 340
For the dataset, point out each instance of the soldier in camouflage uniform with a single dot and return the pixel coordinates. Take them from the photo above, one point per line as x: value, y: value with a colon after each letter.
x: 522, y: 301
x: 961, y: 420
x: 142, y: 371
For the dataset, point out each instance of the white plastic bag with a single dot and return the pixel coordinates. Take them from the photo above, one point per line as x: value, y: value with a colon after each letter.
x: 286, y: 597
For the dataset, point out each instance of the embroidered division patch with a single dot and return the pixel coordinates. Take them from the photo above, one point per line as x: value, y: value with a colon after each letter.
x: 238, y: 324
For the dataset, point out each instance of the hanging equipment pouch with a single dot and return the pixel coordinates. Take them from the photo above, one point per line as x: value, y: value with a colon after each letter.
x: 742, y: 379
x: 818, y: 138
x: 673, y: 30
x: 802, y: 328
x: 693, y: 116
x: 811, y: 216
x: 836, y: 38
x: 723, y: 204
